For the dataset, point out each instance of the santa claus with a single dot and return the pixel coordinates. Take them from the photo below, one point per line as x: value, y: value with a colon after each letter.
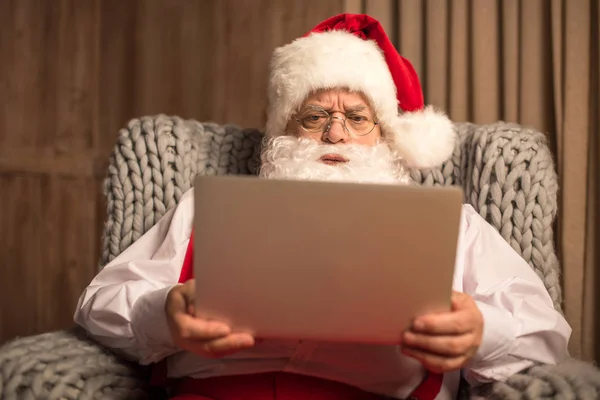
x: 343, y: 106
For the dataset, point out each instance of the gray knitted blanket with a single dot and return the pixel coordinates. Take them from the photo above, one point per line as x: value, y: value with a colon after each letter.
x: 507, y: 173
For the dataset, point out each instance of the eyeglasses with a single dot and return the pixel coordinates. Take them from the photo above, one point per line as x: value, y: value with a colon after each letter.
x: 316, y: 120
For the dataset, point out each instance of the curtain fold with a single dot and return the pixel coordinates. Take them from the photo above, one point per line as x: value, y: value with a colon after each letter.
x: 534, y: 62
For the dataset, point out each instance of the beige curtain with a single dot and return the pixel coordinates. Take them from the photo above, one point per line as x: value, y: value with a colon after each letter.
x: 535, y: 62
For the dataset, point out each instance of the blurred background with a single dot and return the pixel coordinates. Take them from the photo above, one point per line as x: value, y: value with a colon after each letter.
x: 73, y: 72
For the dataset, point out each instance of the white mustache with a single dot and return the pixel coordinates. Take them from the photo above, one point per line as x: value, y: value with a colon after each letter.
x: 288, y: 157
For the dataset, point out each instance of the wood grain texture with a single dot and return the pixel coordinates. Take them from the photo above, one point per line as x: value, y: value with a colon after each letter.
x: 47, y: 73
x: 22, y: 72
x: 85, y: 164
x: 48, y: 161
x: 153, y: 59
x: 69, y: 248
x: 20, y: 254
x: 72, y: 73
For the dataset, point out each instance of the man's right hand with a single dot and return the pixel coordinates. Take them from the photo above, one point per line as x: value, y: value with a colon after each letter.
x: 206, y: 338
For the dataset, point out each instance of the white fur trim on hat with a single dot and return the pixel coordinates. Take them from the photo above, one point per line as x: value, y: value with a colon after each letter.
x: 338, y: 59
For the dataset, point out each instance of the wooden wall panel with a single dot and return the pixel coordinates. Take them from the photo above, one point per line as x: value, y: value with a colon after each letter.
x: 49, y: 89
x: 153, y: 59
x: 72, y: 73
x: 73, y: 102
x: 70, y: 247
x: 22, y: 74
x: 19, y: 254
x: 49, y: 248
x: 48, y: 74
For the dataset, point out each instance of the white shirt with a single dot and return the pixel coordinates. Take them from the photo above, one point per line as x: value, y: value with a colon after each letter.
x: 123, y: 308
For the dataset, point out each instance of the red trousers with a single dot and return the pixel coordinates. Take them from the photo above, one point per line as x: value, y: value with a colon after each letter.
x: 276, y: 386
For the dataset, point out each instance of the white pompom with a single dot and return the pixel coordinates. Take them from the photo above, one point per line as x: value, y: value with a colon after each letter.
x: 424, y: 138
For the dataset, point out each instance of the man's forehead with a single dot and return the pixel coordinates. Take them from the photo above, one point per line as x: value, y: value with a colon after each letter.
x: 350, y: 101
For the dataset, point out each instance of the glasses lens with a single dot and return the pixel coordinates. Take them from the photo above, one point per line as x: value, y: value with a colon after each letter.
x: 314, y: 121
x: 359, y: 123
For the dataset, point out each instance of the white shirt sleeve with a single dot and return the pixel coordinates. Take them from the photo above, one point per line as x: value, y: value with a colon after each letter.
x: 521, y: 326
x: 124, y: 306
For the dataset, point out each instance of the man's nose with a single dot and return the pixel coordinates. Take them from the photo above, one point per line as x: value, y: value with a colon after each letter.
x: 336, y: 132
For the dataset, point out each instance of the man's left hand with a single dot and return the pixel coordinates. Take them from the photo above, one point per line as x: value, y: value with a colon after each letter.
x: 446, y: 341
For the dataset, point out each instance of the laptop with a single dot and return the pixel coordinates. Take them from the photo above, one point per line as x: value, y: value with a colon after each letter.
x: 342, y: 262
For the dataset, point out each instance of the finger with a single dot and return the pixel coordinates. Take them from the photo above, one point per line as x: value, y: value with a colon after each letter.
x: 434, y: 362
x: 226, y: 345
x: 443, y: 345
x: 450, y: 323
x: 188, y: 327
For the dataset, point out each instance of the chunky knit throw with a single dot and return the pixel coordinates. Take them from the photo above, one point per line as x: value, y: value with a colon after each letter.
x: 506, y: 171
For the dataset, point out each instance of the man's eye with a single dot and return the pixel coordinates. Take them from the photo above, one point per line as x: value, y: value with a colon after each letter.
x: 314, y: 117
x: 357, y: 118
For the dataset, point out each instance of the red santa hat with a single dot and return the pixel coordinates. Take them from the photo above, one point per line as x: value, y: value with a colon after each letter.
x: 353, y: 52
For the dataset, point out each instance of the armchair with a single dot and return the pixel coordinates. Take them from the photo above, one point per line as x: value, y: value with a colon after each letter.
x: 506, y: 171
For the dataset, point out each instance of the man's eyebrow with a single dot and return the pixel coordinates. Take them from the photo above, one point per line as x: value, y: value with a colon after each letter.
x: 315, y: 107
x: 352, y: 108
x: 357, y: 107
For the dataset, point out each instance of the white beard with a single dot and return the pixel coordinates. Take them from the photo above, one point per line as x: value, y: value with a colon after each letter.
x: 288, y: 157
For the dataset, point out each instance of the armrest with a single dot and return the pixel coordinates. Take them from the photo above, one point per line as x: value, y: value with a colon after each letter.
x: 572, y: 379
x: 509, y: 177
x: 67, y: 365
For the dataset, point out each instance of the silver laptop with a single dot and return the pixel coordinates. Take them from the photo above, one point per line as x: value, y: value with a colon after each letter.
x: 323, y: 261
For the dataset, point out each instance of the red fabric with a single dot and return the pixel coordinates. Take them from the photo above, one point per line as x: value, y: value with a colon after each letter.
x: 260, y: 386
x: 430, y: 387
x: 408, y: 87
x: 270, y: 386
x: 187, y: 269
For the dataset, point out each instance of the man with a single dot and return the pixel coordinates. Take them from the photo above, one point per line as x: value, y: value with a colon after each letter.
x: 333, y: 115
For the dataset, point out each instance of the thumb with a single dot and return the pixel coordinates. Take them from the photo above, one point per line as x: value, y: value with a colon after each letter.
x: 459, y: 300
x: 179, y: 299
x: 188, y: 290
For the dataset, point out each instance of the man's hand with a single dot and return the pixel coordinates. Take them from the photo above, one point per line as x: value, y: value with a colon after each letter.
x: 446, y: 341
x: 210, y: 339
